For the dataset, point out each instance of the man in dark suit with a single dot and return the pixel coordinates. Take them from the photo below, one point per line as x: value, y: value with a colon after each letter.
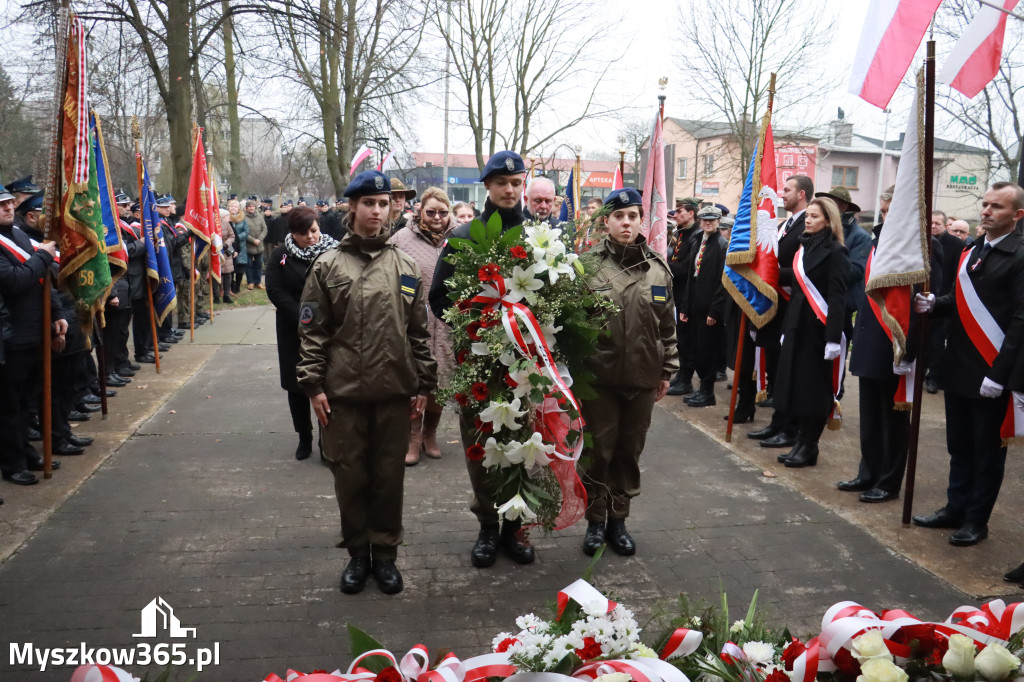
x: 796, y: 192
x: 985, y: 341
x: 952, y: 247
x: 678, y: 256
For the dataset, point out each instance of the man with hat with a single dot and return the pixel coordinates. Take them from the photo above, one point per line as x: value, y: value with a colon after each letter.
x: 702, y: 303
x: 27, y: 216
x: 400, y: 196
x: 329, y: 220
x: 277, y: 228
x: 627, y: 383
x: 22, y: 189
x: 503, y: 176
x: 680, y: 244
x: 365, y: 388
x: 175, y: 236
x: 858, y: 242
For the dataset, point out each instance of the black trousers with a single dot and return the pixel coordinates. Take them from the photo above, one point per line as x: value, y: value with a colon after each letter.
x: 299, y: 406
x: 936, y: 348
x: 65, y: 368
x: 977, y: 457
x: 810, y: 429
x: 883, y: 435
x: 17, y: 377
x: 706, y: 343
x: 115, y: 337
x: 142, y: 330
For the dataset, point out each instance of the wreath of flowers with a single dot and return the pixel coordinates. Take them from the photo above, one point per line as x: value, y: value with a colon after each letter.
x: 523, y: 322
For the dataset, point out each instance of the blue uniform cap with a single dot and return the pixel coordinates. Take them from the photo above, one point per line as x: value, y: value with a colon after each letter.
x: 165, y: 200
x: 723, y: 209
x: 121, y: 198
x: 621, y: 198
x: 5, y: 195
x: 367, y: 183
x: 321, y: 202
x: 24, y: 184
x: 33, y: 203
x: 286, y: 202
x: 503, y: 163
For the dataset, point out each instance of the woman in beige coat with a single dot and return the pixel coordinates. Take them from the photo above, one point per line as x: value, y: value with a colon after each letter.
x: 227, y: 262
x: 423, y: 238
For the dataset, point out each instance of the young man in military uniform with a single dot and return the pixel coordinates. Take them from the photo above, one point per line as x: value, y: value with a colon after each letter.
x: 679, y: 252
x: 503, y: 177
x: 365, y: 390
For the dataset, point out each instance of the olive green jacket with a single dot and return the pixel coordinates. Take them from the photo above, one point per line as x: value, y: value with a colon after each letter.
x: 640, y: 351
x: 363, y: 324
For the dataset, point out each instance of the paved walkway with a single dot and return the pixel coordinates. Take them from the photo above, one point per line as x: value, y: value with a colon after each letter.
x: 205, y: 507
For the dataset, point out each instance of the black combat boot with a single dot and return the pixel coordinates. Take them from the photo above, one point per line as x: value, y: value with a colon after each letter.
x: 619, y: 539
x: 485, y: 551
x: 389, y: 579
x: 515, y: 544
x: 594, y: 538
x: 353, y: 579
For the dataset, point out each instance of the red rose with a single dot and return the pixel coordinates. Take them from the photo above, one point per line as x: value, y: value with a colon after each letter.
x: 479, y: 390
x: 462, y: 399
x: 590, y: 650
x: 518, y: 252
x: 473, y: 330
x: 846, y: 663
x: 482, y: 426
x: 792, y: 652
x: 475, y: 452
x: 505, y: 644
x: 389, y: 674
x: 460, y: 357
x: 777, y: 676
x: 463, y: 305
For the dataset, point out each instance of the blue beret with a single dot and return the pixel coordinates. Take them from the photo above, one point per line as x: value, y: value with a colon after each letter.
x: 368, y: 182
x: 723, y: 209
x: 621, y: 198
x: 503, y: 163
x: 24, y: 184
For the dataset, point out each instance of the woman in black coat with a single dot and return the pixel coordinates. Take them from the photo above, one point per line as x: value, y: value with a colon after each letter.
x: 812, y: 331
x: 286, y: 275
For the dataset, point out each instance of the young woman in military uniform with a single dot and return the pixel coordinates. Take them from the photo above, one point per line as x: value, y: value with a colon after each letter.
x: 365, y: 363
x: 632, y: 366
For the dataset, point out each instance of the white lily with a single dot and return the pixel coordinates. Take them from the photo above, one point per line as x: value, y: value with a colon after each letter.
x: 494, y: 454
x: 549, y: 330
x: 544, y: 241
x: 522, y: 378
x: 507, y: 358
x: 503, y: 414
x: 480, y: 348
x: 521, y: 284
x: 563, y: 267
x: 515, y: 509
x: 534, y: 451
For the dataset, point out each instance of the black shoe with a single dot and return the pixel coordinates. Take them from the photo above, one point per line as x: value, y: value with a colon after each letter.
x: 23, y: 477
x: 116, y: 381
x: 680, y: 389
x: 515, y: 543
x: 594, y: 538
x: 180, y: 333
x: 124, y: 372
x: 878, y: 495
x: 1015, y: 576
x: 132, y: 366
x: 353, y: 578
x: 148, y: 358
x: 200, y: 321
x: 931, y: 385
x: 807, y: 456
x: 619, y: 539
x: 941, y: 518
x: 786, y: 456
x: 170, y: 339
x: 766, y: 403
x: 76, y: 416
x: 80, y: 441
x: 111, y: 393
x: 743, y: 415
x: 762, y: 434
x: 389, y: 579
x: 227, y: 299
x: 854, y: 485
x: 969, y: 534
x: 81, y: 407
x: 485, y: 551
x: 305, y: 448
x: 34, y: 435
x: 37, y: 464
x: 68, y: 449
x: 779, y: 440
x: 701, y: 398
x: 721, y: 376
x: 164, y: 347
x: 91, y: 399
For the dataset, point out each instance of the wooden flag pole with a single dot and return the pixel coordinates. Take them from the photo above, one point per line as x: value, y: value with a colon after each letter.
x: 136, y: 134
x: 913, y: 434
x: 736, y: 369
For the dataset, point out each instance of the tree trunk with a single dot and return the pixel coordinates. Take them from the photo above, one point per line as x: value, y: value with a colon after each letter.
x: 235, y: 152
x: 179, y: 100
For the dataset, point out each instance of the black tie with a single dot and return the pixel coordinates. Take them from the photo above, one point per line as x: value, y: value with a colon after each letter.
x: 785, y: 228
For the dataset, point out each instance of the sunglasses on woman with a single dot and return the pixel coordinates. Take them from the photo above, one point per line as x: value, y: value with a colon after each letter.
x: 432, y: 213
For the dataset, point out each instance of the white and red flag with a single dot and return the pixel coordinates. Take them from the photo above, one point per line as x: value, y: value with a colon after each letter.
x: 974, y: 61
x: 388, y: 162
x: 617, y: 179
x: 655, y: 219
x: 202, y: 215
x: 892, y: 33
x: 362, y: 154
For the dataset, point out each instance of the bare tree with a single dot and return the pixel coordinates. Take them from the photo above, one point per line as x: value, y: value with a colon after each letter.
x: 733, y: 46
x: 519, y: 71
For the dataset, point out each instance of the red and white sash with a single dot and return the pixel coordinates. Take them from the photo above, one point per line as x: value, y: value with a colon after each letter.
x: 820, y: 308
x: 14, y: 249
x: 130, y: 229
x: 904, y: 397
x: 987, y: 336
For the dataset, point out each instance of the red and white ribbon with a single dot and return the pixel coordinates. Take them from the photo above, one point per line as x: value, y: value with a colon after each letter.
x: 82, y: 146
x: 583, y: 593
x: 101, y: 673
x: 21, y: 254
x: 682, y: 642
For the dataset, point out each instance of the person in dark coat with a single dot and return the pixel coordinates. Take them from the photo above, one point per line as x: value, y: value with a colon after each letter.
x: 978, y: 366
x: 812, y: 332
x: 702, y: 303
x: 952, y: 247
x: 286, y: 275
x: 678, y: 254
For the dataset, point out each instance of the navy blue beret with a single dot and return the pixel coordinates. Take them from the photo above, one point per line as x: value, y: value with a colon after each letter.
x: 368, y: 182
x: 503, y: 163
x: 621, y: 198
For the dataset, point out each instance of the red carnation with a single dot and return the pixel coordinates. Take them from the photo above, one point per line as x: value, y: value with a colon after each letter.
x: 482, y: 426
x: 590, y: 650
x: 518, y: 252
x: 463, y: 305
x: 475, y: 452
x: 777, y: 676
x: 389, y: 674
x: 479, y: 390
x: 460, y: 357
x: 462, y: 399
x: 505, y: 644
x: 792, y: 652
x: 727, y: 659
x: 489, y: 272
x: 473, y: 330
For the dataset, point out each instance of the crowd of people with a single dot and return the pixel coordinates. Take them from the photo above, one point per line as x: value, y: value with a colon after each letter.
x: 360, y: 289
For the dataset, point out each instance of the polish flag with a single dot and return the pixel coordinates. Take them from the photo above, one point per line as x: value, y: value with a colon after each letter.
x: 388, y: 162
x: 362, y: 154
x: 892, y: 33
x: 974, y: 61
x: 617, y: 180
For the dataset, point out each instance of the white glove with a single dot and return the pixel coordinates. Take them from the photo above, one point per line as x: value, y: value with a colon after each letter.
x: 1018, y: 400
x: 924, y: 303
x: 832, y: 351
x: 782, y: 339
x: 902, y: 368
x: 753, y: 335
x: 990, y: 389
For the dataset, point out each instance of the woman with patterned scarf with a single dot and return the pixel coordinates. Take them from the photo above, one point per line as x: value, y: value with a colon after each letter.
x: 286, y: 275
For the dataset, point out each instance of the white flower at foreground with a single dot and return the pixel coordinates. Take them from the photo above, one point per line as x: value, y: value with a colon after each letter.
x: 555, y: 265
x: 995, y: 663
x: 502, y: 414
x: 759, y: 652
x: 532, y: 452
x: 521, y: 284
x: 516, y: 509
x: 495, y: 454
x: 544, y: 242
